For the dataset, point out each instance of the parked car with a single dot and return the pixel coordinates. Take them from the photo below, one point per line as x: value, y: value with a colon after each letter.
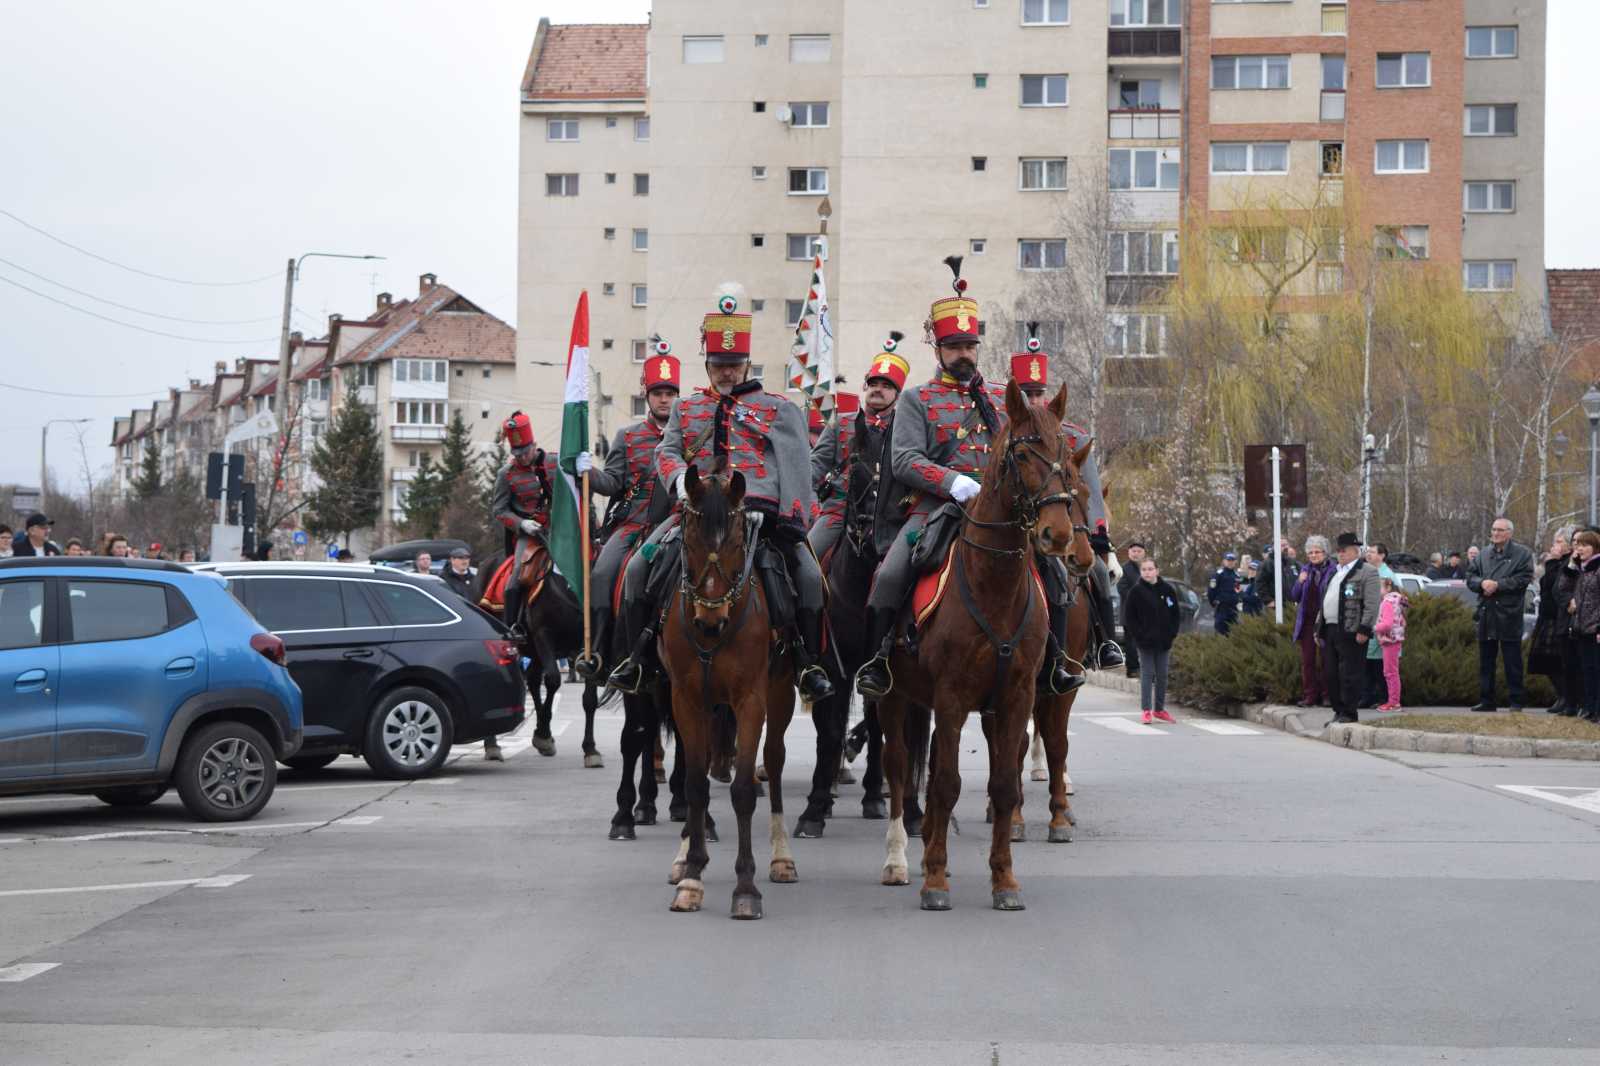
x: 1458, y: 590
x: 1190, y: 605
x: 395, y: 668
x: 403, y: 556
x: 124, y: 677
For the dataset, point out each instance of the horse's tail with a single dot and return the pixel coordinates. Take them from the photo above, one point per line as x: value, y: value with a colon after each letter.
x: 918, y: 734
x: 724, y: 733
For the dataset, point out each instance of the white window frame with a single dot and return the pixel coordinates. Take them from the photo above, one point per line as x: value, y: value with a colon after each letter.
x: 1045, y: 81
x: 1042, y: 167
x: 701, y: 45
x: 641, y: 128
x: 560, y: 184
x: 1119, y: 245
x: 1045, y: 245
x: 1122, y: 14
x: 646, y: 176
x: 641, y: 240
x: 1491, y: 269
x: 421, y: 413
x: 1237, y: 64
x: 978, y: 246
x: 1133, y: 171
x: 807, y: 42
x: 808, y: 110
x: 1045, y: 8
x: 1403, y: 83
x: 1494, y: 33
x: 811, y: 188
x: 1117, y: 334
x: 561, y: 129
x: 640, y: 294
x: 1251, y: 150
x: 808, y: 242
x: 429, y: 371
x: 792, y: 312
x: 1377, y: 156
x: 1494, y: 112
x: 638, y: 350
x: 1489, y: 197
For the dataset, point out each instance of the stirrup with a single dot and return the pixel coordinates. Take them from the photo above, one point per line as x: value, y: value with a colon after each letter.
x: 587, y: 669
x: 814, y: 671
x: 628, y: 677
x: 863, y: 679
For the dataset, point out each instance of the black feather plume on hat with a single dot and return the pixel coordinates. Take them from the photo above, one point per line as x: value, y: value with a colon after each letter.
x: 896, y: 336
x: 954, y: 263
x: 1033, y: 329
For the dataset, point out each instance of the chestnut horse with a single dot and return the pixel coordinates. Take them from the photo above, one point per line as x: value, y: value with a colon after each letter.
x: 727, y: 684
x: 982, y: 649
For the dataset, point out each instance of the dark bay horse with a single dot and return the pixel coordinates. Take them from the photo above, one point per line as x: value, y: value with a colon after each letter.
x: 981, y: 650
x: 727, y: 685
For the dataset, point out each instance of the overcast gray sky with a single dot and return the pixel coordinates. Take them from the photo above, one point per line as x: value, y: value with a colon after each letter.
x: 211, y: 141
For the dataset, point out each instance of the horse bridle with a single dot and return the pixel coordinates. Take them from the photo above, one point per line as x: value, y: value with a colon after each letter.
x: 1028, y: 505
x: 714, y: 566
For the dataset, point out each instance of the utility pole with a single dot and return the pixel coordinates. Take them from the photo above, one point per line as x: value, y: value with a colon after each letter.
x: 44, y: 468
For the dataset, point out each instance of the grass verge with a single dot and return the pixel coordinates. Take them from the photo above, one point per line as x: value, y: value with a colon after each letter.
x: 1538, y: 726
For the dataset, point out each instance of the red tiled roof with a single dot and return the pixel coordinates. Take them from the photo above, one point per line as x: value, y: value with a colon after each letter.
x: 439, y: 324
x: 1574, y: 303
x: 587, y: 62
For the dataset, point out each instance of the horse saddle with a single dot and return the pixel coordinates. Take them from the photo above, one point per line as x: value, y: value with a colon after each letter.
x: 530, y: 579
x: 931, y: 587
x: 932, y: 549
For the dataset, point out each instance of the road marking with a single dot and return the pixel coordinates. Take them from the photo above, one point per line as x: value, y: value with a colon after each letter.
x: 231, y: 828
x: 359, y: 819
x: 223, y: 881
x: 1222, y: 729
x: 1132, y: 728
x: 24, y: 970
x: 1581, y: 796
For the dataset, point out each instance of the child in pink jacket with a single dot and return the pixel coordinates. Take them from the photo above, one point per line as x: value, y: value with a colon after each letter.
x: 1391, y: 633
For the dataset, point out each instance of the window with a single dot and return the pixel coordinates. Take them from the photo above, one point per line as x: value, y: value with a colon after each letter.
x: 641, y: 129
x: 1489, y: 275
x: 316, y: 389
x: 977, y: 246
x: 358, y: 613
x: 758, y: 107
x: 641, y: 295
x: 1332, y: 159
x: 699, y: 50
x: 800, y: 245
x: 1143, y: 168
x: 288, y: 605
x: 757, y: 371
x: 757, y: 305
x: 758, y: 240
x: 1403, y: 70
x: 980, y: 163
x: 641, y: 240
x: 561, y: 184
x: 1335, y: 18
x: 1044, y: 12
x: 368, y: 374
x: 606, y: 345
x: 1270, y: 157
x: 1401, y: 157
x: 21, y: 614
x: 419, y: 413
x: 118, y: 610
x: 1044, y: 90
x: 1333, y: 87
x: 638, y: 407
x: 1491, y: 42
x: 431, y: 370
x: 758, y: 173
x: 810, y: 48
x: 1268, y: 244
x: 639, y: 350
x: 1042, y: 174
x: 608, y: 288
x: 761, y: 40
x: 1135, y: 335
x: 808, y: 181
x: 641, y: 185
x: 1041, y: 255
x: 1052, y: 336
x: 610, y: 233
x: 561, y: 129
x: 809, y: 114
x: 1145, y: 12
x: 1491, y: 120
x: 1250, y: 72
x: 1134, y: 252
x: 1144, y: 94
x: 408, y: 606
x: 792, y: 310
x: 1481, y: 197
x: 611, y: 178
x: 1402, y: 242
x: 980, y: 81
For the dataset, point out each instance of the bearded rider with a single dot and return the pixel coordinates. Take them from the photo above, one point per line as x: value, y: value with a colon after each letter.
x: 733, y: 422
x: 522, y: 503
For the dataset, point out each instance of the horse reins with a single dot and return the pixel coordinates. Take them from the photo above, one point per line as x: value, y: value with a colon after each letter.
x: 691, y: 593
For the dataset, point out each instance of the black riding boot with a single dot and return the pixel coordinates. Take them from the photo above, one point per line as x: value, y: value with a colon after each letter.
x: 874, y: 680
x: 1107, y: 654
x: 589, y: 669
x: 631, y: 673
x: 811, y: 678
x: 511, y: 610
x: 1054, y: 677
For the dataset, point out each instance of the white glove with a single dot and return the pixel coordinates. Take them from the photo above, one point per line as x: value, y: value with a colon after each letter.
x: 529, y: 527
x: 755, y: 518
x: 963, y: 488
x: 585, y: 462
x: 680, y: 490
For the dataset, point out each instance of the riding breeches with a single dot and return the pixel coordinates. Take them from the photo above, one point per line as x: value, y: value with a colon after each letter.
x: 892, y: 583
x: 608, y: 564
x: 513, y: 589
x: 824, y: 533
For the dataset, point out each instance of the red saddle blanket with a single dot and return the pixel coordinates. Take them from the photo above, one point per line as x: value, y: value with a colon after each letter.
x: 931, y: 587
x: 534, y: 569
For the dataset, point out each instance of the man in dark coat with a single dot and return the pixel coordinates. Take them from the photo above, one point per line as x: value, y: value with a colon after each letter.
x: 1223, y: 594
x: 1349, y: 611
x: 1125, y: 584
x: 36, y: 539
x: 1500, y: 577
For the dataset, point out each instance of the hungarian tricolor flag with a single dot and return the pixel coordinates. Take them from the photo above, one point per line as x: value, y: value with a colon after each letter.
x: 566, y: 543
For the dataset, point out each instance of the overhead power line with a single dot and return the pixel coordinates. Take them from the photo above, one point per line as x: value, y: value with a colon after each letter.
x: 132, y: 269
x: 85, y: 395
x: 130, y: 325
x: 140, y: 310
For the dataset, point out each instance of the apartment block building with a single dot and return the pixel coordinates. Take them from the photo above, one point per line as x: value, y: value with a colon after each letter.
x: 660, y: 160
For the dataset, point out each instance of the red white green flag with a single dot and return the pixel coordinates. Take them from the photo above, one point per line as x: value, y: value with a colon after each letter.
x: 566, y: 539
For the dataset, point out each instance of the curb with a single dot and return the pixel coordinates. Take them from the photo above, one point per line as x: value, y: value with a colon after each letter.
x: 1313, y: 723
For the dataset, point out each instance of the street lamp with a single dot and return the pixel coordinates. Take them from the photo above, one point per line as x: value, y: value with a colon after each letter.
x: 1558, y: 445
x: 1591, y: 407
x: 290, y: 275
x: 44, y: 438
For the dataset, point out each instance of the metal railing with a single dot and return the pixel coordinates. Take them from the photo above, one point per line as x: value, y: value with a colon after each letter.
x: 1144, y: 124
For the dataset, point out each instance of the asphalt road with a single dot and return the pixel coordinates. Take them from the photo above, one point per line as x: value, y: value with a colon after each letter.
x: 1233, y: 895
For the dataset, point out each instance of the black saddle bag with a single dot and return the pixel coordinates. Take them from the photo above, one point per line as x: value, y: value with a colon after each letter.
x: 929, y: 552
x: 664, y: 567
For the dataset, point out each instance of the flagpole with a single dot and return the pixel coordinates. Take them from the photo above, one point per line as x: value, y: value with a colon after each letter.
x: 583, y: 527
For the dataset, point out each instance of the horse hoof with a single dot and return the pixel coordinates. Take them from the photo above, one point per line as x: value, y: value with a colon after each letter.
x: 896, y: 875
x: 621, y: 832
x: 874, y: 810
x: 783, y: 872
x: 544, y: 745
x: 845, y: 776
x: 643, y: 815
x: 1039, y: 775
x: 678, y: 812
x: 809, y: 828
x: 679, y: 868
x: 746, y: 908
x: 1009, y: 900
x: 1019, y: 833
x: 761, y: 773
x: 689, y: 896
x: 1060, y: 834
x: 593, y: 761
x: 935, y: 899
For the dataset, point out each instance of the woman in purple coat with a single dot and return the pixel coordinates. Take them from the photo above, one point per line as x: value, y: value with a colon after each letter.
x: 1307, y: 591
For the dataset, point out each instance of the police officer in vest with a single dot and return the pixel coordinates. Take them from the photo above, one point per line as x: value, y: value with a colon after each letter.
x: 734, y: 422
x: 1223, y: 594
x: 639, y: 503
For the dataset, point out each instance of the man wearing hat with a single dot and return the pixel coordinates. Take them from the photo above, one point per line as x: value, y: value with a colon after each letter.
x: 522, y: 501
x: 1031, y: 371
x: 36, y: 539
x: 639, y: 502
x: 458, y: 575
x: 938, y: 450
x: 1349, y: 611
x: 734, y: 424
x: 841, y: 472
x: 1223, y: 594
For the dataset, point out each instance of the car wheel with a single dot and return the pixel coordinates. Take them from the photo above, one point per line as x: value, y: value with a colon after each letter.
x: 225, y: 772
x: 409, y: 734
x: 310, y: 762
x: 131, y: 795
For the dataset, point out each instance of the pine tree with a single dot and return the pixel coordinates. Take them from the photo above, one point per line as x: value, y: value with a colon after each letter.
x: 349, y: 461
x: 456, y: 459
x: 490, y: 463
x: 148, y: 483
x: 425, y: 499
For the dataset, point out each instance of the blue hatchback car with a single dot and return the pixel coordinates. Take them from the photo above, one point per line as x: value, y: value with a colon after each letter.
x: 121, y: 678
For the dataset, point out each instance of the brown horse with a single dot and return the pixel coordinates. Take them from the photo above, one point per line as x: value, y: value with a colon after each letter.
x: 983, y: 650
x: 716, y: 646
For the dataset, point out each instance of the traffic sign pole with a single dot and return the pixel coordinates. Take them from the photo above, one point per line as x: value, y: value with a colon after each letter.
x: 1277, y: 533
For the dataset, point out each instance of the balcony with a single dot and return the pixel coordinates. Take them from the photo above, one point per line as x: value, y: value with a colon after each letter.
x: 1144, y: 124
x: 1145, y: 43
x: 1124, y: 290
x: 367, y: 394
x: 412, y: 434
x: 403, y: 473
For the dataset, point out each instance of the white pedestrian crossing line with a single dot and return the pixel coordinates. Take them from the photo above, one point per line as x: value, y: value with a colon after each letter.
x: 1129, y: 726
x: 220, y: 881
x: 232, y: 827
x: 24, y: 970
x: 1582, y: 797
x: 1222, y: 729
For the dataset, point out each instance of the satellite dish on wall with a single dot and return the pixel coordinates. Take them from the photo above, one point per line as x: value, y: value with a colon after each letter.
x: 785, y: 114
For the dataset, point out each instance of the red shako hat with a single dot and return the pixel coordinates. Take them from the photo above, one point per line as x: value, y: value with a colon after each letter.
x: 518, y: 430
x: 725, y: 334
x: 661, y: 369
x: 1031, y: 369
x: 954, y: 318
x: 889, y: 364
